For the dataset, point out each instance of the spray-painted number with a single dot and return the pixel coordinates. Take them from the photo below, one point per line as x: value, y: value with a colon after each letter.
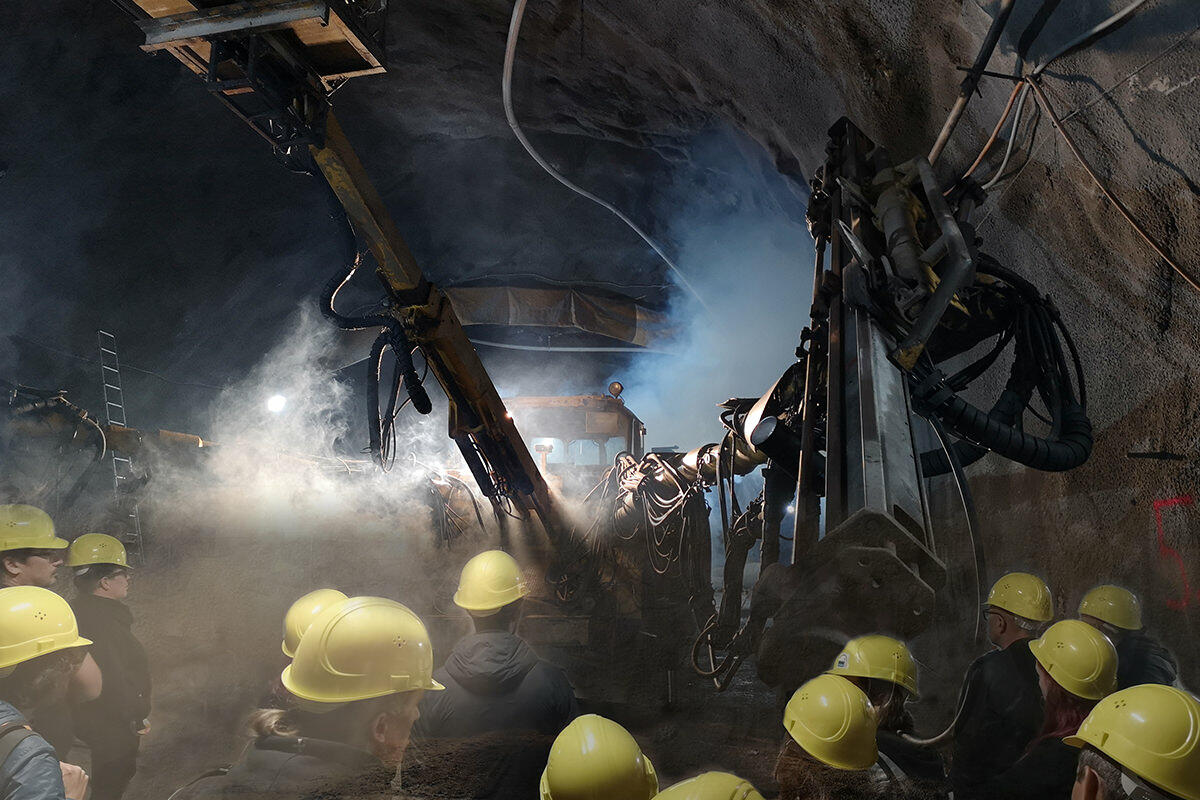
x: 1187, y: 595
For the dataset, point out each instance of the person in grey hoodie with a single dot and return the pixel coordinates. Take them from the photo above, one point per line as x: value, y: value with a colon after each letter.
x: 40, y: 650
x: 494, y: 680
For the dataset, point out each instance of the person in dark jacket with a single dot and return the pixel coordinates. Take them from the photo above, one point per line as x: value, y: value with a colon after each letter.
x: 885, y: 670
x: 1000, y: 705
x: 1077, y: 667
x: 1117, y: 614
x: 113, y: 724
x: 494, y: 681
x: 40, y: 649
x: 354, y: 686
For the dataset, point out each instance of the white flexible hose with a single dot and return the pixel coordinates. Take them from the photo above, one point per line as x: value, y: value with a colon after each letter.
x: 510, y: 52
x: 1012, y: 138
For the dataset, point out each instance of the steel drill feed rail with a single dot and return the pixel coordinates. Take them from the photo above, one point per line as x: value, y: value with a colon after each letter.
x: 901, y: 291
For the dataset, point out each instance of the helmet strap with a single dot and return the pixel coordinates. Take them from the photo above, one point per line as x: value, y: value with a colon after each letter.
x: 1137, y: 789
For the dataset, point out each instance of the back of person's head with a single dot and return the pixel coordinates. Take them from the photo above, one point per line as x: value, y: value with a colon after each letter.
x: 711, y: 786
x: 1024, y: 599
x: 1114, y: 610
x: 490, y: 589
x: 802, y: 777
x: 359, y: 671
x: 40, y: 646
x: 1077, y: 666
x: 884, y: 668
x: 1142, y: 742
x: 594, y: 757
x: 832, y: 720
x: 301, y: 614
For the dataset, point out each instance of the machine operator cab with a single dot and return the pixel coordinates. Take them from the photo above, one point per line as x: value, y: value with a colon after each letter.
x: 576, y: 438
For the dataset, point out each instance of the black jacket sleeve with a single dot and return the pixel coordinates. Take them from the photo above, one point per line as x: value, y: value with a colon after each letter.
x: 1047, y: 772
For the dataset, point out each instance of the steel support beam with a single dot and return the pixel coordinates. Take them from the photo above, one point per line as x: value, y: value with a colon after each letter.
x: 254, y: 16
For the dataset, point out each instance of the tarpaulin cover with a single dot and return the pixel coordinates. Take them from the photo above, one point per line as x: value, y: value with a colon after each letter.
x: 617, y: 318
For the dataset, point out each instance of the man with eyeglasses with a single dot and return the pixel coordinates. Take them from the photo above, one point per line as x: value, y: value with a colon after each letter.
x: 1000, y: 705
x: 30, y: 552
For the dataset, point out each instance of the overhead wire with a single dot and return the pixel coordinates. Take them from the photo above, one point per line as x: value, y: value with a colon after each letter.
x: 510, y: 51
x: 1012, y: 139
x: 1104, y: 188
x: 995, y: 133
x: 1089, y: 36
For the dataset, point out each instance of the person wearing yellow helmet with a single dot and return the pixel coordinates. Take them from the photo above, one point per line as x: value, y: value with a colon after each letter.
x: 113, y: 724
x: 296, y: 621
x: 30, y: 550
x: 1077, y: 667
x: 494, y: 680
x: 884, y: 669
x: 355, y: 684
x: 1141, y: 743
x: 1117, y: 613
x: 30, y: 554
x: 40, y: 649
x: 594, y: 758
x: 830, y: 750
x: 1000, y: 705
x: 711, y: 786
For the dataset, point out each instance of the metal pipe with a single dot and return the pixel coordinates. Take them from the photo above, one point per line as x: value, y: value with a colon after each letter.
x: 967, y: 88
x: 958, y: 272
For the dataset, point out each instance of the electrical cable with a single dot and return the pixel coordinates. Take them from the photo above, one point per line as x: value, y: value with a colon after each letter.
x: 1089, y: 36
x: 124, y: 366
x: 968, y: 502
x: 967, y: 87
x: 991, y: 139
x: 510, y: 51
x: 1153, y: 60
x: 1103, y: 187
x: 572, y: 349
x: 1012, y: 138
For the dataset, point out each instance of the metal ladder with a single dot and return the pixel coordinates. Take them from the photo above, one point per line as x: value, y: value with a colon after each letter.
x: 122, y: 466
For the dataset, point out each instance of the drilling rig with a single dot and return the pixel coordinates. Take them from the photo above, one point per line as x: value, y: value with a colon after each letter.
x: 903, y: 301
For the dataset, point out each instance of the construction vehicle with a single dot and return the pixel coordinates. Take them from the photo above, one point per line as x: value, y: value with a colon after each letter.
x: 900, y: 290
x: 576, y: 437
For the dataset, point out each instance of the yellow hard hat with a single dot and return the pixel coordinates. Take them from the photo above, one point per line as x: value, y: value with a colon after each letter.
x: 362, y: 648
x: 33, y: 622
x: 879, y: 657
x: 1023, y: 594
x: 302, y: 613
x: 1114, y: 605
x: 97, y: 548
x: 489, y: 582
x: 711, y: 786
x: 594, y: 758
x: 1078, y: 657
x: 24, y: 527
x: 1153, y: 732
x: 833, y: 721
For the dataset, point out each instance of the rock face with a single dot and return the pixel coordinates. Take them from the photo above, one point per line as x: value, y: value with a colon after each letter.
x: 131, y: 201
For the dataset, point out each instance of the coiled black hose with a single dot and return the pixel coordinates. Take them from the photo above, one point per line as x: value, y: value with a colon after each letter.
x: 392, y: 336
x: 1039, y: 364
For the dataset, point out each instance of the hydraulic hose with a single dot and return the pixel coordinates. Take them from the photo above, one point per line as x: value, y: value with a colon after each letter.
x: 1070, y: 448
x: 968, y: 502
x: 392, y: 336
x: 510, y: 53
